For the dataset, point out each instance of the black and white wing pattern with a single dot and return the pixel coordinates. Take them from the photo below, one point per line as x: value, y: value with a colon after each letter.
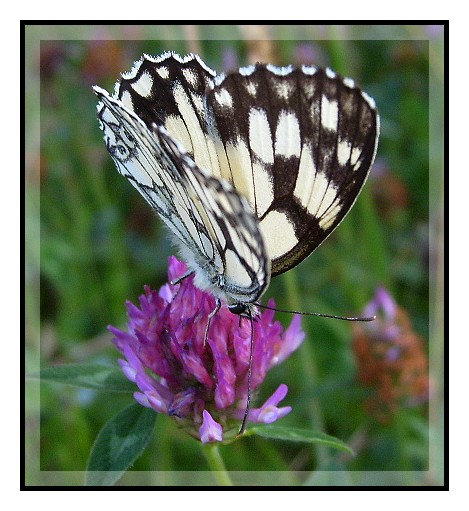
x: 299, y: 144
x: 216, y: 230
x: 251, y: 171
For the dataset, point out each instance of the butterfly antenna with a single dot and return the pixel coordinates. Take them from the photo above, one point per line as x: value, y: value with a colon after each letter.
x: 248, y: 399
x: 343, y: 318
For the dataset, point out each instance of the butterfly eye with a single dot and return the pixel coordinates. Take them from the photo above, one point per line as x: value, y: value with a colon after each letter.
x: 238, y: 308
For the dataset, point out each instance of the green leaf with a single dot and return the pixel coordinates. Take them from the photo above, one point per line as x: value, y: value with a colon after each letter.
x: 300, y: 435
x: 89, y: 376
x: 121, y: 441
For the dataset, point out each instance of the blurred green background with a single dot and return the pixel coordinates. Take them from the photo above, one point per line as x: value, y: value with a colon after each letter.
x: 92, y: 243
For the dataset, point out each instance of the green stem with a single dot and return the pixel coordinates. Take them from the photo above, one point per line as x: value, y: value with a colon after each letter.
x: 217, y: 465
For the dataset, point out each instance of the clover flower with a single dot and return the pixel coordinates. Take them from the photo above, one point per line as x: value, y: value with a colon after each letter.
x: 391, y: 358
x: 201, y: 383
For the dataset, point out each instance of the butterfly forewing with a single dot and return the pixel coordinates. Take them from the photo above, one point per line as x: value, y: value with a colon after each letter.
x: 298, y: 143
x: 218, y: 233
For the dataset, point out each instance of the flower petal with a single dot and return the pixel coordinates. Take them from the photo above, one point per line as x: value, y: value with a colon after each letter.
x: 268, y: 412
x: 210, y: 431
x: 292, y: 339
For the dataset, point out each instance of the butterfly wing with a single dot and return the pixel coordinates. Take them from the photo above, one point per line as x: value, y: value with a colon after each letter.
x: 170, y: 91
x: 217, y: 231
x: 298, y: 143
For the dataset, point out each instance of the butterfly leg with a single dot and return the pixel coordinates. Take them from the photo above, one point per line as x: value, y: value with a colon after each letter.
x: 210, y: 317
x: 182, y: 277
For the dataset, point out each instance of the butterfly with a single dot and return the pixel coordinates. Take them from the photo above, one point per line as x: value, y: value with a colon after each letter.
x: 250, y: 170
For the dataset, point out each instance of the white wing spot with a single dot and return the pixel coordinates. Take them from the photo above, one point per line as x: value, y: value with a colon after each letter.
x: 287, y: 135
x: 190, y: 77
x: 143, y: 85
x: 247, y: 70
x: 251, y: 87
x: 239, y: 169
x: 263, y: 187
x: 163, y: 72
x: 206, y: 244
x: 284, y: 89
x: 305, y: 178
x: 217, y: 80
x: 355, y: 157
x: 344, y: 149
x: 223, y: 98
x: 279, y: 234
x: 126, y: 100
x: 156, y: 199
x: 204, y: 65
x: 130, y: 75
x: 348, y: 82
x: 309, y: 89
x: 329, y: 113
x: 260, y: 137
x: 309, y: 70
x: 327, y: 220
x: 279, y: 71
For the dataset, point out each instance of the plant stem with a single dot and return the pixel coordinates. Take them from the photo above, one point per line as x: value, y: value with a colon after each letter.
x: 217, y: 465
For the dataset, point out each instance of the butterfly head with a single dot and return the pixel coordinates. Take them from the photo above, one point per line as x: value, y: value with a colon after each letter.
x: 245, y: 310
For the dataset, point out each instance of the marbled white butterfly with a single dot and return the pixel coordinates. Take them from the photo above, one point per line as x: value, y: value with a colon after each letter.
x: 251, y: 170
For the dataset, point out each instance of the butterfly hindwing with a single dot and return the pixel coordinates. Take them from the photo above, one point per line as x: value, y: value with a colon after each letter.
x: 231, y: 223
